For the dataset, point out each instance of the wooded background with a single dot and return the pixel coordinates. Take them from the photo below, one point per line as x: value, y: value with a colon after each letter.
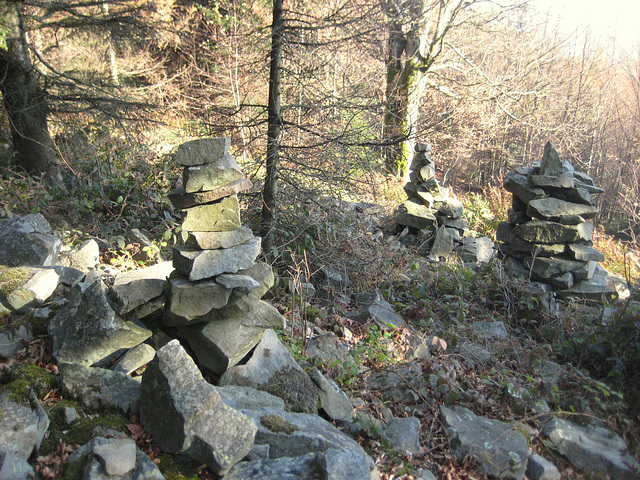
x: 360, y: 81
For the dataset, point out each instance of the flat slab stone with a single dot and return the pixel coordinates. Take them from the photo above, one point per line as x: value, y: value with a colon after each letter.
x: 117, y: 457
x: 221, y: 216
x: 333, y: 401
x: 500, y: 449
x: 554, y: 209
x: 593, y: 449
x: 382, y: 314
x: 542, y: 231
x: 414, y: 214
x: 546, y: 268
x: 404, y: 434
x: 188, y: 301
x: 137, y: 287
x: 217, y: 240
x: 181, y: 199
x: 201, y: 151
x: 134, y: 359
x: 211, y: 176
x: 25, y: 287
x: 585, y: 253
x: 521, y: 187
x: 200, y: 264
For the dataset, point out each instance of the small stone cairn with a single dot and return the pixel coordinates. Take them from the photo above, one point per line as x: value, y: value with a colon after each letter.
x: 431, y: 208
x: 214, y: 295
x: 548, y: 234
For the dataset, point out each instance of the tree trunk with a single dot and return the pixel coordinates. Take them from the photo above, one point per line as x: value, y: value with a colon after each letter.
x: 25, y: 101
x: 274, y: 130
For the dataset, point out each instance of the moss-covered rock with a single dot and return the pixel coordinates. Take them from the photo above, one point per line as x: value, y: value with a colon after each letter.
x: 278, y: 424
x: 295, y: 388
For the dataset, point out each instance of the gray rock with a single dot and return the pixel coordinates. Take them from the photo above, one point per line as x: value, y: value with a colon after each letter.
x: 476, y: 355
x: 100, y: 388
x: 22, y: 425
x: 414, y: 214
x: 135, y: 358
x: 117, y: 457
x: 327, y: 348
x: 539, y: 468
x: 594, y: 449
x: 87, y: 328
x: 234, y: 280
x: 199, y: 264
x: 211, y: 176
x: 26, y: 241
x: 584, y: 253
x: 285, y: 468
x: 404, y: 434
x: 192, y: 301
x: 555, y: 210
x: 442, y: 243
x: 541, y: 231
x: 84, y: 256
x: 136, y: 287
x: 69, y: 415
x: 13, y: 466
x: 11, y: 339
x: 217, y: 240
x: 561, y: 281
x: 25, y: 287
x: 144, y: 468
x: 401, y: 383
x: 382, y: 314
x: 271, y: 368
x: 451, y: 208
x: 333, y: 401
x: 459, y: 224
x: 295, y: 434
x: 423, y: 474
x: 245, y: 398
x: 185, y: 414
x: 552, y: 165
x: 546, y: 268
x: 201, y: 151
x: 501, y: 451
x: 476, y: 250
x: 490, y: 329
x: 181, y: 199
x: 519, y: 185
x: 555, y: 181
x: 220, y: 216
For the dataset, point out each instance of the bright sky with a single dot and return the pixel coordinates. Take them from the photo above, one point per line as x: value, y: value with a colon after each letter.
x: 604, y: 18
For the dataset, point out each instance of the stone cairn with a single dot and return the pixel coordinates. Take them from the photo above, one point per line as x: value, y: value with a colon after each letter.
x: 548, y: 234
x: 431, y: 209
x: 214, y: 295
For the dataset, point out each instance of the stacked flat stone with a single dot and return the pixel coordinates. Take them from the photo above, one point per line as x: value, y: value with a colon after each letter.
x: 548, y: 232
x: 430, y: 207
x: 214, y: 295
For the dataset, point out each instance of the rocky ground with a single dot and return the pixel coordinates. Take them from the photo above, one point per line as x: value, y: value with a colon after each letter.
x: 427, y: 370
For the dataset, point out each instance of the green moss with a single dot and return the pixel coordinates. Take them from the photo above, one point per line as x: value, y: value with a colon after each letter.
x: 57, y: 427
x: 12, y: 278
x: 75, y: 470
x: 36, y: 377
x: 174, y: 468
x: 18, y: 391
x: 81, y: 431
x: 278, y: 424
x: 295, y: 388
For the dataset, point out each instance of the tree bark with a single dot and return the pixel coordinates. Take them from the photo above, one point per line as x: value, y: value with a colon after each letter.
x: 25, y: 101
x: 416, y: 34
x: 274, y: 130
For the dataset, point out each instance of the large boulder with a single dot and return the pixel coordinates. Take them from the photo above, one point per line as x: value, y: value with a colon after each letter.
x: 185, y: 414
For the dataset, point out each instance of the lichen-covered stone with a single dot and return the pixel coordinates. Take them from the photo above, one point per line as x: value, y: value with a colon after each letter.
x: 221, y: 216
x: 181, y: 199
x: 216, y: 240
x: 201, y: 151
x: 211, y: 176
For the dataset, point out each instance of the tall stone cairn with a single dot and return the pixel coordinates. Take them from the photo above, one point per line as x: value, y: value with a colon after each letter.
x: 548, y: 233
x: 431, y: 208
x: 214, y: 295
